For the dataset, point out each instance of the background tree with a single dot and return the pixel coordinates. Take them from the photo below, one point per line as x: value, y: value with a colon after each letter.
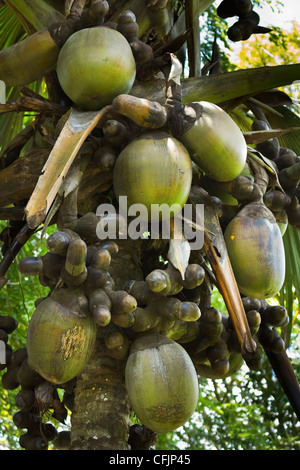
x: 92, y: 397
x: 278, y: 49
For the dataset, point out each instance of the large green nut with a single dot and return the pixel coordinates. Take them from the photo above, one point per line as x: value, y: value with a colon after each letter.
x: 256, y: 251
x: 161, y: 383
x: 59, y: 341
x: 154, y: 169
x: 94, y: 66
x: 216, y: 143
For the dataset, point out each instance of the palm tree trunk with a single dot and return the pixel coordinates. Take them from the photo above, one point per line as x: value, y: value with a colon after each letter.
x: 101, y: 414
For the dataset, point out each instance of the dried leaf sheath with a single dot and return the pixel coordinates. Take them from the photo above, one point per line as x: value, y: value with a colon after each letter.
x: 223, y: 87
x: 179, y: 249
x: 76, y: 129
x: 229, y: 290
x: 218, y: 257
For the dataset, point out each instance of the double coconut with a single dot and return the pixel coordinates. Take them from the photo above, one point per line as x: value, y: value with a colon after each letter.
x: 61, y: 336
x: 214, y: 141
x: 256, y: 251
x: 155, y: 171
x: 161, y: 382
x: 94, y: 66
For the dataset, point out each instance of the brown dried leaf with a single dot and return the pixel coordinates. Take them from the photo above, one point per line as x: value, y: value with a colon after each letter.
x: 17, y: 181
x: 255, y: 137
x: 73, y: 134
x: 217, y: 255
x: 179, y: 249
x: 176, y: 70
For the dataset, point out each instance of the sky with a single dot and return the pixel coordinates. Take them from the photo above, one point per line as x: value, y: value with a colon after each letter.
x: 282, y: 16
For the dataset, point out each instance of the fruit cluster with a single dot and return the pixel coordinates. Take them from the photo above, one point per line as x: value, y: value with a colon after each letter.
x: 164, y: 304
x: 282, y: 200
x: 248, y: 20
x: 34, y: 399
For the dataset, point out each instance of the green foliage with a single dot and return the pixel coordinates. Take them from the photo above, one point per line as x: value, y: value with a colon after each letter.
x: 245, y: 412
x: 278, y: 47
x: 212, y: 26
x: 17, y: 299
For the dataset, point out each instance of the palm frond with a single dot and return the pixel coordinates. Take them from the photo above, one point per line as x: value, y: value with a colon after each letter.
x: 289, y: 119
x: 11, y: 28
x: 291, y: 288
x: 225, y: 86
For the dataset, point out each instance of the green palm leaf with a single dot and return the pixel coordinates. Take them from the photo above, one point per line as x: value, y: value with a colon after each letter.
x: 226, y: 86
x: 290, y: 290
x: 12, y: 32
x: 38, y: 14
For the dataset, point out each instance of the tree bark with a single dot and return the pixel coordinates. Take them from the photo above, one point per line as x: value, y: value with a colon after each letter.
x: 101, y: 415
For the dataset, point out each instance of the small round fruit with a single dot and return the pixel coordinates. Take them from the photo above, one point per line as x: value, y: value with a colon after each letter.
x: 216, y: 143
x: 94, y: 66
x: 154, y: 169
x: 161, y: 383
x: 255, y: 249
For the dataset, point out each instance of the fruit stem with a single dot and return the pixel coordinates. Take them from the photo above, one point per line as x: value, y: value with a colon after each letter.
x: 19, y: 241
x: 173, y: 105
